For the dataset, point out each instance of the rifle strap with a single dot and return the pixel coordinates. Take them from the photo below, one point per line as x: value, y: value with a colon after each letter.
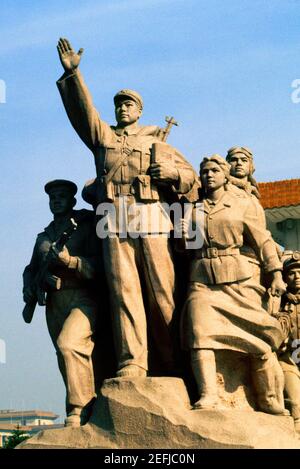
x: 125, y: 154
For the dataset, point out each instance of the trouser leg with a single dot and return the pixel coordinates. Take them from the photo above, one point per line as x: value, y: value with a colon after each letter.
x: 76, y: 345
x: 71, y: 324
x: 159, y: 273
x: 121, y: 257
x: 55, y: 316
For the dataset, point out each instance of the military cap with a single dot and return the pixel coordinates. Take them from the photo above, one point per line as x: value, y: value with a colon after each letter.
x: 130, y: 94
x: 60, y: 183
x: 89, y: 192
x: 293, y: 261
x: 233, y: 150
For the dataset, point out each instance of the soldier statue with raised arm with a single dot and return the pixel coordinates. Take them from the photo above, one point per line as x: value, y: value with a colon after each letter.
x: 132, y: 164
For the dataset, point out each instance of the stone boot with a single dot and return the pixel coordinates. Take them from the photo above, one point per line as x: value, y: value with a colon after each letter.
x: 266, y: 380
x: 79, y: 415
x: 204, y: 369
x: 131, y: 371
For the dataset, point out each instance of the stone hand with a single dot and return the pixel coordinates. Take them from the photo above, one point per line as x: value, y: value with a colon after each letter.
x: 181, y: 228
x: 68, y: 57
x: 164, y: 172
x: 278, y: 287
x: 60, y: 257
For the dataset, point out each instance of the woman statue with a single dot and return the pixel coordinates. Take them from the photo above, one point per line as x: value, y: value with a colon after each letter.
x: 223, y: 310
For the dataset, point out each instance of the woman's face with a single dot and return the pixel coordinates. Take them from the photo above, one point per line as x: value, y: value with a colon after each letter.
x: 212, y: 176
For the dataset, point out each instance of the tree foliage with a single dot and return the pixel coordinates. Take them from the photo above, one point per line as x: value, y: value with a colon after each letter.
x: 15, y: 439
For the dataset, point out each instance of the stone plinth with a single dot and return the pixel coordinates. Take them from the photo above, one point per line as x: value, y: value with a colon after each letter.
x: 156, y: 413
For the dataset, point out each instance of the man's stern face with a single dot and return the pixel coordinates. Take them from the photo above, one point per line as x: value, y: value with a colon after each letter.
x: 61, y: 202
x: 127, y: 112
x: 239, y: 165
x: 293, y: 279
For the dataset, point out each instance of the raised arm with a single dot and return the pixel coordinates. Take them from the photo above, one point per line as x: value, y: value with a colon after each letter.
x: 77, y: 99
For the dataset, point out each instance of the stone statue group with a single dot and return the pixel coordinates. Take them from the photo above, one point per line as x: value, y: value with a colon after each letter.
x: 159, y: 298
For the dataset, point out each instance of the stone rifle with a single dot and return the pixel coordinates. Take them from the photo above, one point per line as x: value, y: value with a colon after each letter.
x: 39, y: 291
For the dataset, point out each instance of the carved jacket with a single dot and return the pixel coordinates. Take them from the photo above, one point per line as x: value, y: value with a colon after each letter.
x: 82, y: 244
x: 226, y: 226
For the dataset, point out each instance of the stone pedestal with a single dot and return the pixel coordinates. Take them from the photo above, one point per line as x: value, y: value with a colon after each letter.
x: 154, y: 413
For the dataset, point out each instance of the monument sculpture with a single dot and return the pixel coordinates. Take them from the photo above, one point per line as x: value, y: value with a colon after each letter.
x: 126, y: 166
x: 230, y: 394
x: 71, y: 307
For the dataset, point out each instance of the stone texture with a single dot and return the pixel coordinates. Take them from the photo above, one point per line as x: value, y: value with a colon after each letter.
x: 156, y: 413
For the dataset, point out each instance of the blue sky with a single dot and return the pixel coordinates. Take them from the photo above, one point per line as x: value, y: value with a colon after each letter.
x: 223, y: 68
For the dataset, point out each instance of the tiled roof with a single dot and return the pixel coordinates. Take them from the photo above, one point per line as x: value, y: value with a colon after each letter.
x: 280, y: 193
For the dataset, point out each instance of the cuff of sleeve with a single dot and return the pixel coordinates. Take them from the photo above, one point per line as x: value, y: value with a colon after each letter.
x: 272, y: 266
x: 67, y: 75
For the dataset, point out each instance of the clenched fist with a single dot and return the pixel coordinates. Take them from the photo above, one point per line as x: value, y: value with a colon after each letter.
x: 164, y: 172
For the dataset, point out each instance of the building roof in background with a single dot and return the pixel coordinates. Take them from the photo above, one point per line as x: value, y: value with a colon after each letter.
x: 7, y: 414
x: 280, y: 193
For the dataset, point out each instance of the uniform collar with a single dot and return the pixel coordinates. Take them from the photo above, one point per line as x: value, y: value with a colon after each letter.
x: 224, y: 202
x: 133, y: 129
x: 146, y: 130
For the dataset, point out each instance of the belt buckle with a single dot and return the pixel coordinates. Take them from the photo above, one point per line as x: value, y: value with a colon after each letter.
x: 212, y: 253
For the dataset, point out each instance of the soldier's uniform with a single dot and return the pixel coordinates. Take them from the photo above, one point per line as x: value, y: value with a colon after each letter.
x: 250, y: 187
x: 71, y: 310
x: 288, y: 355
x: 132, y: 265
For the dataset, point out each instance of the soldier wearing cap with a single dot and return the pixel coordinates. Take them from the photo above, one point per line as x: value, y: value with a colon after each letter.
x: 70, y: 302
x: 289, y: 317
x: 242, y: 169
x: 241, y: 178
x: 125, y: 168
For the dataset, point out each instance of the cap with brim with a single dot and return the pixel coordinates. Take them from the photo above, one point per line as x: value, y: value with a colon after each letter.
x: 293, y: 261
x: 233, y: 150
x: 89, y: 192
x: 60, y: 184
x: 129, y: 94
